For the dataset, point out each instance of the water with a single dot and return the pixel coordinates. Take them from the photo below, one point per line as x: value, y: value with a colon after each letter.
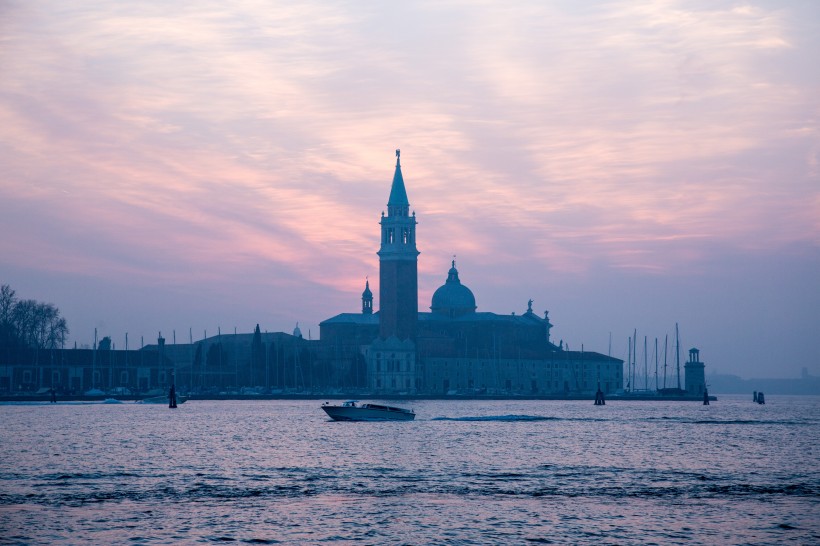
x: 504, y: 472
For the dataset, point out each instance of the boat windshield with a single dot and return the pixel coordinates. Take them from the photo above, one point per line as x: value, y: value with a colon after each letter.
x: 386, y: 408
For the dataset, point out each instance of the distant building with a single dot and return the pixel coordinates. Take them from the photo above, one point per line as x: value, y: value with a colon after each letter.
x: 694, y: 373
x: 76, y: 371
x: 257, y: 362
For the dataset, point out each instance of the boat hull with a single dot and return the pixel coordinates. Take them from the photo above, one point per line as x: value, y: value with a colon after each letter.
x: 341, y: 413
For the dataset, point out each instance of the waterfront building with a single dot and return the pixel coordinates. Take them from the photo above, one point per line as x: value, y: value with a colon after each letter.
x: 75, y: 371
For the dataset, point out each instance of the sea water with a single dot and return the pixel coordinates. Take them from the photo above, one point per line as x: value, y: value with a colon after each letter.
x: 464, y: 472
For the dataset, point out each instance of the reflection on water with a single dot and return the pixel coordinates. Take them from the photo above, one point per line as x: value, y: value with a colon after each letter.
x: 483, y: 472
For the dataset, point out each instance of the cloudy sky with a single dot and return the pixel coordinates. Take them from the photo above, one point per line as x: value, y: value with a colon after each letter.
x: 176, y: 166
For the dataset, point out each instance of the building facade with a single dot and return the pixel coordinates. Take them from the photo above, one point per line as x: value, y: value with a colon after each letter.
x: 76, y: 371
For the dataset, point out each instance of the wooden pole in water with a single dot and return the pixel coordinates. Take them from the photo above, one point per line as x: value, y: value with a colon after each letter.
x: 599, y: 396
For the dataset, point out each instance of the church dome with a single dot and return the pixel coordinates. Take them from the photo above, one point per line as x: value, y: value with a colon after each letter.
x: 453, y: 299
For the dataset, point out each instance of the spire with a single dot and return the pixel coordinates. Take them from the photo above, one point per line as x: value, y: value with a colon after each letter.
x: 398, y: 205
x: 367, y: 298
x: 452, y: 275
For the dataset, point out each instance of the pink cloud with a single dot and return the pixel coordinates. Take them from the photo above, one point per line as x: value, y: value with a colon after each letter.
x: 172, y: 144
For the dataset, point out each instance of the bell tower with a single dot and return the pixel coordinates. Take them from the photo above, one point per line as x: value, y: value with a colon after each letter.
x: 367, y: 299
x: 398, y: 265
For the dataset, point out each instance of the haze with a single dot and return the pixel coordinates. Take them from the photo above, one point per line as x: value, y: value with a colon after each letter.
x: 188, y: 166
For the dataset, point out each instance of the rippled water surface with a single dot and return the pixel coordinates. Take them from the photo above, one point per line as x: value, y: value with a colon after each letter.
x: 465, y: 472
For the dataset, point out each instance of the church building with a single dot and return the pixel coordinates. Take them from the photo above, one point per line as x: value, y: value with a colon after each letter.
x: 453, y: 348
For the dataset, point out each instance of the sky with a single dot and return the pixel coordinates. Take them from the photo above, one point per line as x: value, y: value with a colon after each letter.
x: 193, y: 167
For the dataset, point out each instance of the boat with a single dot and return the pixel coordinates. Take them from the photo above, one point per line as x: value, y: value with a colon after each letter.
x: 353, y: 411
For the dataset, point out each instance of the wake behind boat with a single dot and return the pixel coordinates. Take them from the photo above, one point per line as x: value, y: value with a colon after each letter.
x: 161, y: 400
x: 351, y: 411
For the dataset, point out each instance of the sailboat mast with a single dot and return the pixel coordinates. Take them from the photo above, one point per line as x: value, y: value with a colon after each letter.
x: 645, y: 367
x: 634, y: 356
x: 656, y: 364
x: 629, y: 367
x: 665, y: 353
x: 677, y: 352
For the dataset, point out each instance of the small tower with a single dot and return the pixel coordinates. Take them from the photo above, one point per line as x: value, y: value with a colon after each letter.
x: 161, y: 348
x: 367, y: 299
x: 694, y: 374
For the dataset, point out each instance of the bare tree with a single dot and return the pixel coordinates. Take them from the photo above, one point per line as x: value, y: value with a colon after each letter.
x: 29, y: 323
x: 7, y: 301
x: 24, y: 322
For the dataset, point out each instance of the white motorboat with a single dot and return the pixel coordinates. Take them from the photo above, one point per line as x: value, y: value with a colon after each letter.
x: 353, y: 411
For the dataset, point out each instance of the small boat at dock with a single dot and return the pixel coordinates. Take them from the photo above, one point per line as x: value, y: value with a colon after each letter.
x: 352, y: 411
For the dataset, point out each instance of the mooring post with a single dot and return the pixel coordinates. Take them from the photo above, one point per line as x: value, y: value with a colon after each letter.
x: 172, y: 398
x: 599, y: 397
